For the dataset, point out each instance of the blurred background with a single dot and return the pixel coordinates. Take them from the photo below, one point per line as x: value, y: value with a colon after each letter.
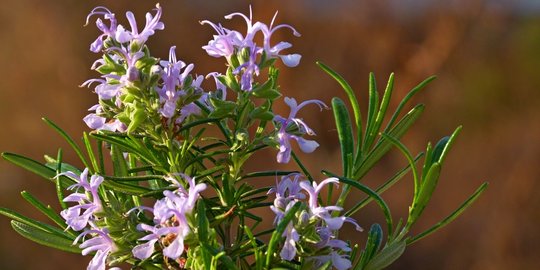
x: 485, y: 53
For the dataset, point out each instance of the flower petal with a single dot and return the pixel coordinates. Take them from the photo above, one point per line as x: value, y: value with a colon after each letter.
x: 291, y: 60
x: 307, y: 146
x: 144, y: 251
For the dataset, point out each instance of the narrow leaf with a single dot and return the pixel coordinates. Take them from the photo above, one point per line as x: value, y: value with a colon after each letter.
x: 376, y: 126
x: 381, y: 189
x: 37, y: 168
x: 452, y: 216
x: 387, y: 256
x: 44, y: 238
x: 69, y: 140
x: 383, y: 145
x: 33, y: 223
x: 345, y: 134
x: 368, y: 191
x: 424, y: 195
x: 371, y: 114
x: 352, y: 98
x: 372, y: 244
x: 406, y: 99
x: 44, y: 209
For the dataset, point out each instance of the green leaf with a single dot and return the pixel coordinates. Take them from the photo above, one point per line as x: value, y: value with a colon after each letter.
x: 129, y: 189
x: 428, y: 160
x: 375, y: 126
x: 47, y: 211
x: 382, y: 204
x: 256, y: 250
x: 409, y: 158
x: 63, y: 167
x: 326, y: 266
x: 424, y: 194
x: 69, y: 140
x: 372, y: 244
x: 135, y: 178
x: 387, y: 256
x: 33, y: 223
x: 371, y: 114
x: 445, y: 144
x: 262, y: 114
x: 384, y: 145
x: 120, y: 167
x: 382, y: 188
x: 345, y: 134
x: 37, y: 168
x: 352, y: 98
x: 57, y: 181
x: 44, y: 238
x: 267, y: 173
x: 203, y: 229
x: 137, y: 117
x: 90, y: 152
x: 126, y: 144
x: 406, y: 99
x: 452, y: 216
x: 230, y: 80
x: 222, y: 108
x: 270, y: 94
x: 432, y: 167
x: 197, y: 123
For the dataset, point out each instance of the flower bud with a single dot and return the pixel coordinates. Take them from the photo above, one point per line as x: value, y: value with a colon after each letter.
x: 304, y: 218
x: 135, y: 46
x: 132, y: 74
x: 280, y: 203
x: 137, y: 118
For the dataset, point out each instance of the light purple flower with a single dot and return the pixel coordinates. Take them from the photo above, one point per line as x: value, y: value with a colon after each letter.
x: 152, y: 24
x: 170, y: 219
x: 284, y: 137
x: 219, y: 85
x: 104, y: 90
x: 173, y: 81
x: 324, y: 212
x: 130, y: 59
x: 249, y: 69
x: 224, y: 43
x: 288, y: 252
x: 96, y: 122
x: 101, y: 243
x: 340, y: 262
x: 107, y: 31
x: 288, y: 187
x: 252, y: 28
x: 88, y: 203
x: 290, y: 60
x: 287, y: 194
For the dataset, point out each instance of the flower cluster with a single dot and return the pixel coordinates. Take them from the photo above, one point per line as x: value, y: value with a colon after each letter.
x: 293, y: 128
x: 123, y: 49
x: 135, y: 87
x: 83, y: 216
x: 316, y: 225
x: 243, y: 53
x: 88, y: 203
x: 170, y: 220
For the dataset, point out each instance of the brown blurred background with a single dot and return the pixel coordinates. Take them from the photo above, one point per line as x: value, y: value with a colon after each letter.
x: 486, y: 54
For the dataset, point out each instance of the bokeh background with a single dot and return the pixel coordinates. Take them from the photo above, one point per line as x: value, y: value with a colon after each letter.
x: 486, y: 54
